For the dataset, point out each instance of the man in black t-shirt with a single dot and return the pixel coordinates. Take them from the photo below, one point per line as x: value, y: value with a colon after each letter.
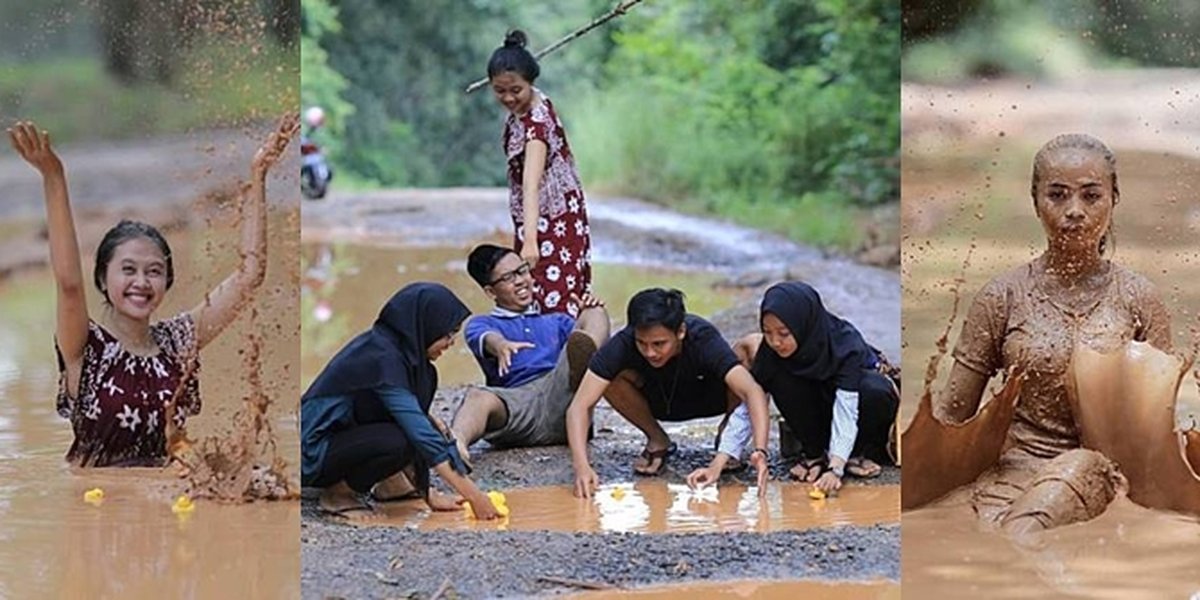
x: 665, y: 365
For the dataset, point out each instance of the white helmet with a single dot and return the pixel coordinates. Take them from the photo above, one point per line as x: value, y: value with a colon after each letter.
x: 314, y: 116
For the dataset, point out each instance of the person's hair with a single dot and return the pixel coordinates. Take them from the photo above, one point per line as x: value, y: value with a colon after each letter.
x: 123, y: 232
x: 483, y: 260
x: 656, y: 306
x: 1079, y: 141
x: 513, y: 56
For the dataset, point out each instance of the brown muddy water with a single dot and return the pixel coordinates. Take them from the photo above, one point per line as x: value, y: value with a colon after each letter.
x: 659, y: 507
x: 975, y: 198
x: 344, y: 286
x: 763, y: 590
x: 132, y: 545
x: 1126, y: 553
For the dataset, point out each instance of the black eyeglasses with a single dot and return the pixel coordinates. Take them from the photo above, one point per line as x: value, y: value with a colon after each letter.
x: 510, y: 276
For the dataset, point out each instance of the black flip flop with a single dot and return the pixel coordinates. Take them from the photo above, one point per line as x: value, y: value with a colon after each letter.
x: 659, y: 454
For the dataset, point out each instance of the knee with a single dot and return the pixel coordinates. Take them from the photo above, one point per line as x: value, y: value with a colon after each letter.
x: 478, y: 398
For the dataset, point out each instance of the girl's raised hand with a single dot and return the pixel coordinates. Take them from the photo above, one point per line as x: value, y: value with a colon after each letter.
x: 34, y: 146
x: 268, y: 154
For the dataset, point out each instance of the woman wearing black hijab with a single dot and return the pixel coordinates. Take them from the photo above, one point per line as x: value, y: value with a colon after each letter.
x: 825, y: 381
x: 366, y: 417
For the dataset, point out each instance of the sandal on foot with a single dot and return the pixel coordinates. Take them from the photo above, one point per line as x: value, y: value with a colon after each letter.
x: 809, y: 464
x: 863, y: 468
x: 650, y: 456
x: 345, y: 513
x: 400, y: 480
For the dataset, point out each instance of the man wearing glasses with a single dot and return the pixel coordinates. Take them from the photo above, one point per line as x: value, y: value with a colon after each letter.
x: 532, y: 363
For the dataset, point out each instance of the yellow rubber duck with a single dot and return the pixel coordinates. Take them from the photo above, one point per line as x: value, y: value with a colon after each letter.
x: 94, y: 496
x: 618, y: 493
x: 816, y: 494
x: 183, y: 505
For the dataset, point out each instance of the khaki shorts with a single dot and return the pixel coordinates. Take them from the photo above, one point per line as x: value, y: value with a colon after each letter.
x: 537, y: 410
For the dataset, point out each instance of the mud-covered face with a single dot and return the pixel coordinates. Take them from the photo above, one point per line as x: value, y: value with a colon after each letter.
x: 513, y: 92
x: 658, y: 345
x: 1074, y: 198
x: 777, y: 335
x: 136, y: 278
x: 440, y: 345
x: 512, y: 284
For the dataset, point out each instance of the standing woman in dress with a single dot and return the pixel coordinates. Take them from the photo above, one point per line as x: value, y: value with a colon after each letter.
x: 545, y: 195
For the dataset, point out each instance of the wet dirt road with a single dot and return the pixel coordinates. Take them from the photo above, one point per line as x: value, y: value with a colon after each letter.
x: 394, y: 237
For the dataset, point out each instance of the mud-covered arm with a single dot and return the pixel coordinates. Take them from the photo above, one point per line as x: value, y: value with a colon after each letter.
x: 223, y: 303
x: 977, y: 355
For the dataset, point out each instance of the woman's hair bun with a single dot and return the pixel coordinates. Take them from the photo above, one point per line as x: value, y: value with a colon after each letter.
x: 515, y: 39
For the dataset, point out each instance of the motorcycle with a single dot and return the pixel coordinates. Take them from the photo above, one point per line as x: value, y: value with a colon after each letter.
x: 315, y: 173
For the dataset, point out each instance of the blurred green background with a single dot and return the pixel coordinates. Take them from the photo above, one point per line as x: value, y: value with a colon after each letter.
x: 955, y: 40
x: 781, y: 114
x: 106, y: 69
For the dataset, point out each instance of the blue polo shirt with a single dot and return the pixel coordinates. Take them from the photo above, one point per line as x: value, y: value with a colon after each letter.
x: 547, y: 333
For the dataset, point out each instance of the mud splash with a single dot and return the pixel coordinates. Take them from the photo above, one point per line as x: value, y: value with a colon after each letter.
x: 1124, y: 402
x: 655, y: 507
x: 764, y: 590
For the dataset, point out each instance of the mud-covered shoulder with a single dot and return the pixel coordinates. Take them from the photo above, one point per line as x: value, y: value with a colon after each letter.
x: 1151, y: 317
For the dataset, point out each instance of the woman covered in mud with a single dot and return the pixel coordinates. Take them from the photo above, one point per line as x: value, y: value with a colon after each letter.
x: 545, y: 195
x: 366, y: 416
x: 826, y: 382
x: 1032, y: 319
x: 123, y: 377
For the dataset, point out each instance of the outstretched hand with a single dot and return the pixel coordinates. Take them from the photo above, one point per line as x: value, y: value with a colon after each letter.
x: 268, y: 154
x: 34, y: 146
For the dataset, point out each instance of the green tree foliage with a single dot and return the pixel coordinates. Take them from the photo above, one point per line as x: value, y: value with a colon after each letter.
x: 748, y: 106
x: 320, y: 85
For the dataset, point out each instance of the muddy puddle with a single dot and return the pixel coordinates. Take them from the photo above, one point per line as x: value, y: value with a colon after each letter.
x: 658, y: 507
x: 344, y: 287
x: 1128, y: 552
x: 765, y: 590
x: 131, y: 544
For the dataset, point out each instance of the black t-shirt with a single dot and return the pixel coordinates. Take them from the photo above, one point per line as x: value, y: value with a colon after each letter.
x: 705, y: 355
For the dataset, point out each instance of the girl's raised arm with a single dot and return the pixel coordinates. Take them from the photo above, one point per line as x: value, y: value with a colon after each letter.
x: 72, y: 317
x: 221, y: 305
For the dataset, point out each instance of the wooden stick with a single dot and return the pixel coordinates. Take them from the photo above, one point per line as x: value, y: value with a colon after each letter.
x: 619, y: 10
x: 587, y: 585
x: 441, y: 589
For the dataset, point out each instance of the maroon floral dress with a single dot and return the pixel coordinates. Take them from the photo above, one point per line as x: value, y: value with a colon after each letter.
x: 564, y: 238
x: 119, y: 415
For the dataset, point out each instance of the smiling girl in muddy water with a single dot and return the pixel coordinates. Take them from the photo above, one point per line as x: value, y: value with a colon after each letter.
x: 122, y: 377
x: 1032, y: 319
x: 545, y: 194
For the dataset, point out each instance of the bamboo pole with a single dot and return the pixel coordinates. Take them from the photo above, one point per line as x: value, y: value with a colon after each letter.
x: 617, y: 11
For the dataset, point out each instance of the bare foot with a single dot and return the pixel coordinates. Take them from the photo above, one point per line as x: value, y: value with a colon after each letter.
x: 396, y: 487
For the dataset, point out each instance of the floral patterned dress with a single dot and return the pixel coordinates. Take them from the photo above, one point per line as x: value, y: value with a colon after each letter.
x: 119, y: 415
x: 564, y: 238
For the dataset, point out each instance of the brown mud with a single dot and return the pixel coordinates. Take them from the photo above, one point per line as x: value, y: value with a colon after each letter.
x: 1124, y: 402
x: 966, y: 171
x: 132, y: 544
